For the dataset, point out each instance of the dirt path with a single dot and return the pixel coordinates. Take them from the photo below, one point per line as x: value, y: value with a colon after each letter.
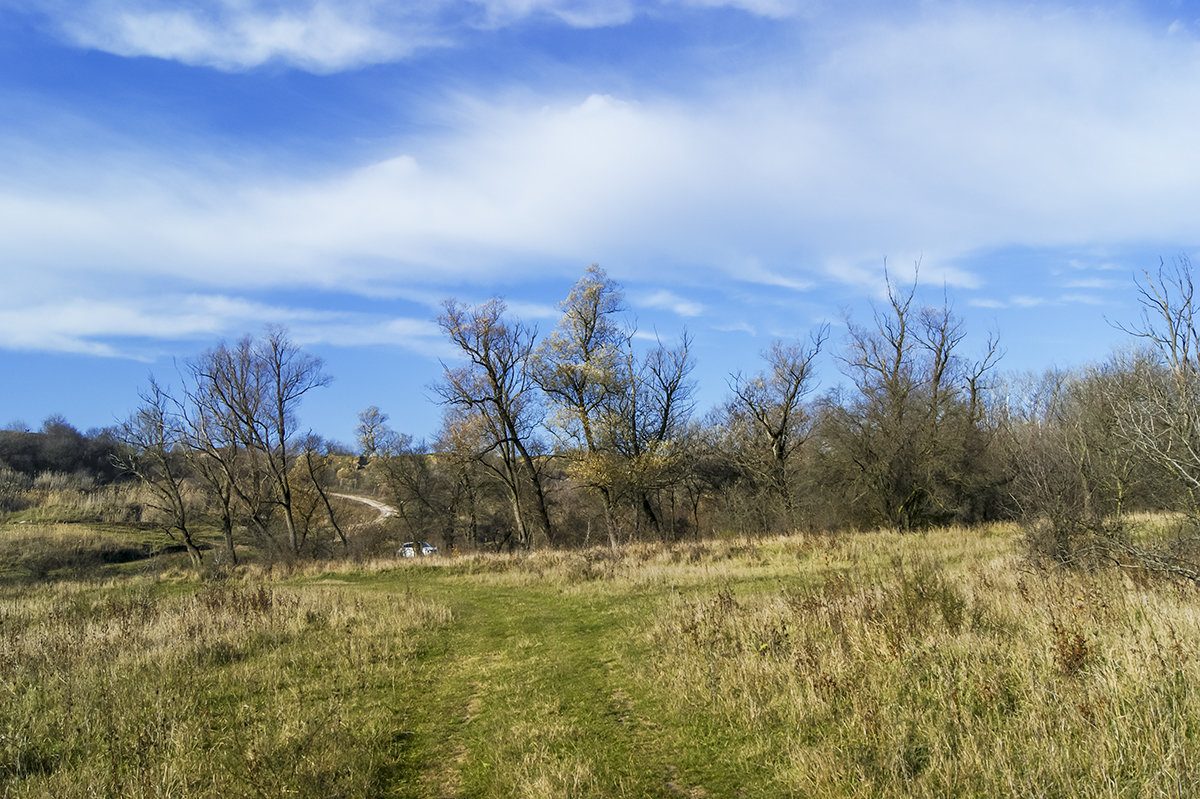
x: 385, y: 511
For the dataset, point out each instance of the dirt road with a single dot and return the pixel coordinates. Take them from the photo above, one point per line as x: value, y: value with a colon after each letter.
x: 385, y: 511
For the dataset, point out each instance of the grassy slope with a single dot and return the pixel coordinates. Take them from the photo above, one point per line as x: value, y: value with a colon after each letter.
x: 872, y: 664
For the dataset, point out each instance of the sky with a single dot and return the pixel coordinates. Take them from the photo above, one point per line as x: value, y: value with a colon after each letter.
x: 176, y: 174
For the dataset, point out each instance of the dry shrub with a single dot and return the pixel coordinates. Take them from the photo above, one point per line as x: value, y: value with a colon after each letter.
x: 1071, y: 649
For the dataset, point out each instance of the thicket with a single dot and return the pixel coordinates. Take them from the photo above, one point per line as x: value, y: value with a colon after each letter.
x: 56, y: 456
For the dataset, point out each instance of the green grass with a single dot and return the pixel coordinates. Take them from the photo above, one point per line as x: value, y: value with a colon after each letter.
x: 873, y: 664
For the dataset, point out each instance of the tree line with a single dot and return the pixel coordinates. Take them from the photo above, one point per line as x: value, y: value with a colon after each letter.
x: 58, y: 447
x: 589, y: 435
x: 581, y: 436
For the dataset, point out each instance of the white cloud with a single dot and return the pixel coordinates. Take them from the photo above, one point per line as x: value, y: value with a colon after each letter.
x: 1027, y: 301
x: 777, y: 9
x: 672, y: 302
x: 751, y: 270
x: 1095, y: 283
x: 577, y: 13
x: 316, y: 35
x: 1082, y: 299
x: 325, y: 36
x: 946, y: 135
x: 421, y: 336
x: 960, y: 134
x: 120, y: 326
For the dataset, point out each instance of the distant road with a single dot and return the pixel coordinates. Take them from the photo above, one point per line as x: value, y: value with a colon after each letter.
x: 384, y: 510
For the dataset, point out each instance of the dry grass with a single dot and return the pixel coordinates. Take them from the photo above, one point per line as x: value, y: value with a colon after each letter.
x: 136, y: 689
x: 868, y: 664
x: 939, y: 673
x: 53, y: 497
x: 40, y: 551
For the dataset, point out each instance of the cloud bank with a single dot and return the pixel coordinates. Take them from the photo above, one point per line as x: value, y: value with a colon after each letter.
x: 939, y: 136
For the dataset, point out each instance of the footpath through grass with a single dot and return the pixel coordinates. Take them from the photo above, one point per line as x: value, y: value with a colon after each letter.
x: 527, y: 694
x: 538, y: 687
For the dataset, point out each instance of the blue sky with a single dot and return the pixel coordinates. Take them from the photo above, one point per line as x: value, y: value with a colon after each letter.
x: 177, y: 173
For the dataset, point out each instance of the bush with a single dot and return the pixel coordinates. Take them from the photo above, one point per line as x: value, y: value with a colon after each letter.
x: 14, y: 490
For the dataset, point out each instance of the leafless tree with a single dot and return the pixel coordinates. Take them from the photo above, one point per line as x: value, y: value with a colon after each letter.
x: 371, y: 431
x: 494, y: 395
x: 619, y: 414
x: 580, y: 367
x: 316, y: 464
x: 913, y: 434
x: 216, y: 454
x: 154, y: 453
x: 1163, y: 419
x: 769, y: 415
x: 652, y: 423
x: 1160, y: 416
x: 247, y: 396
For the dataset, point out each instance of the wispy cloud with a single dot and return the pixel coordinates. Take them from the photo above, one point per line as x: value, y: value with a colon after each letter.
x: 751, y: 270
x: 122, y: 326
x: 777, y: 9
x: 1012, y: 160
x: 1082, y: 299
x: 533, y: 310
x: 671, y: 301
x: 1099, y: 264
x: 577, y: 13
x: 317, y: 35
x: 324, y: 36
x: 737, y: 327
x: 1027, y: 301
x: 1095, y: 283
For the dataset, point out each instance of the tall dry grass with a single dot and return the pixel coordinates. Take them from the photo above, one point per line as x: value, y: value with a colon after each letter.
x: 55, y: 497
x: 928, y: 672
x: 136, y: 689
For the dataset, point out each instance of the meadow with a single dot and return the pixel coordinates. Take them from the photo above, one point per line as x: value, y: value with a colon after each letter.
x: 937, y: 663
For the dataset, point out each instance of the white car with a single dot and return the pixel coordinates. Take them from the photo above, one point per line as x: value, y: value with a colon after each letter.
x: 410, y: 549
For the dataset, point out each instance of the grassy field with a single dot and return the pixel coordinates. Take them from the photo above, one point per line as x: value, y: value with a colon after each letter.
x: 871, y: 664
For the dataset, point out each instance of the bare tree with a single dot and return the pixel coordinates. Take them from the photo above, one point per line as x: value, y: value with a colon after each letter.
x: 371, y: 431
x: 154, y: 453
x: 913, y: 435
x: 768, y: 414
x: 1163, y: 420
x: 653, y: 422
x: 216, y: 453
x: 316, y: 464
x: 580, y: 367
x: 495, y: 394
x: 619, y: 415
x: 1160, y: 416
x: 249, y: 395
